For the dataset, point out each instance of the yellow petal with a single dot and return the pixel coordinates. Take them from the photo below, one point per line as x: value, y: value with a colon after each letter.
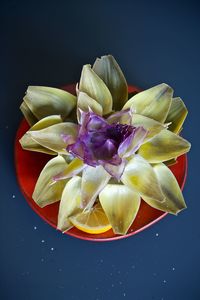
x: 94, y: 180
x: 176, y: 115
x: 109, y: 71
x: 45, y: 193
x: 85, y: 102
x: 174, y: 201
x: 164, y: 146
x: 70, y: 203
x: 28, y: 143
x: 93, y: 85
x: 44, y: 101
x: 153, y: 127
x: 153, y: 103
x: 121, y: 205
x: 51, y: 137
x: 73, y: 168
x: 140, y: 176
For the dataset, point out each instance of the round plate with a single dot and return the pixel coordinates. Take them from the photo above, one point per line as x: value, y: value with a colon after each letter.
x: 29, y: 165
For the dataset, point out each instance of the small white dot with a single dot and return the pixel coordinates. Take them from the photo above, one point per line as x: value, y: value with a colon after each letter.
x: 101, y: 260
x: 35, y: 227
x: 42, y: 259
x: 157, y: 234
x: 13, y: 196
x: 164, y: 281
x: 133, y: 267
x: 42, y: 241
x: 124, y: 294
x: 52, y: 249
x: 112, y: 285
x: 173, y: 269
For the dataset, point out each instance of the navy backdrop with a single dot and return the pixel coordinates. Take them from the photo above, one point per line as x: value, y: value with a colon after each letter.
x: 46, y: 43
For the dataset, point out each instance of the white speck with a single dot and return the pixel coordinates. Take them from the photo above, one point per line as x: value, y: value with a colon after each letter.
x: 42, y: 259
x: 112, y: 285
x: 52, y: 249
x: 42, y: 241
x: 173, y: 269
x: 101, y: 260
x: 133, y: 267
x: 157, y: 234
x: 35, y: 227
x: 13, y: 196
x: 124, y: 294
x: 120, y: 282
x: 164, y: 281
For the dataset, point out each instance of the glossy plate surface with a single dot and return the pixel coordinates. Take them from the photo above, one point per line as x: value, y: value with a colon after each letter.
x: 29, y: 165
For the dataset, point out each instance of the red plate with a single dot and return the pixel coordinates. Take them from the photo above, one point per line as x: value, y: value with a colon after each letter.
x: 29, y: 165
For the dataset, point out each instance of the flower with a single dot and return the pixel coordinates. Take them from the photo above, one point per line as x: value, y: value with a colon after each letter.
x: 114, y: 151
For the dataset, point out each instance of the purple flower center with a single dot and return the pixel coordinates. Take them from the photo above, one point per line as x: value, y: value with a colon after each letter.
x: 98, y: 141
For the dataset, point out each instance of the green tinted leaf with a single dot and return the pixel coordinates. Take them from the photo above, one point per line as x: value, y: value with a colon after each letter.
x: 94, y: 180
x: 140, y: 176
x: 70, y: 203
x: 164, y: 146
x: 109, y: 71
x: 30, y: 118
x: 176, y: 115
x: 153, y: 103
x: 121, y: 205
x: 44, y: 101
x: 93, y: 85
x: 51, y: 137
x: 174, y: 201
x: 28, y: 143
x: 45, y: 192
x: 85, y: 103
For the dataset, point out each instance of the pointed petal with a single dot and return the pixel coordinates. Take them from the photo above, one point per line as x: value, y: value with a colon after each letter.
x: 109, y: 71
x: 93, y: 181
x: 51, y: 137
x: 45, y: 192
x: 28, y: 143
x: 164, y: 146
x: 85, y: 103
x: 29, y: 116
x: 121, y: 205
x: 122, y: 117
x: 72, y: 169
x: 132, y: 143
x: 153, y: 103
x: 44, y: 101
x: 115, y: 171
x: 140, y: 176
x: 174, y: 201
x: 70, y: 203
x: 153, y: 127
x: 176, y: 115
x: 93, y: 85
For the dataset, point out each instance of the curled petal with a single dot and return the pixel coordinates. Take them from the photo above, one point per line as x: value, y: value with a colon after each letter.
x: 132, y: 143
x: 44, y: 101
x: 151, y: 126
x: 176, y: 115
x: 164, y: 146
x: 174, y: 201
x: 140, y: 176
x: 29, y: 116
x: 153, y: 103
x: 45, y: 192
x: 28, y: 143
x: 72, y: 169
x: 121, y: 205
x: 93, y: 181
x: 109, y: 71
x: 51, y: 137
x: 85, y: 103
x: 70, y: 203
x: 93, y: 85
x: 122, y: 117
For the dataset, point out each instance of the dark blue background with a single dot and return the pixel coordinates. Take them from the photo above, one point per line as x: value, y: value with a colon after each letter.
x: 46, y: 43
